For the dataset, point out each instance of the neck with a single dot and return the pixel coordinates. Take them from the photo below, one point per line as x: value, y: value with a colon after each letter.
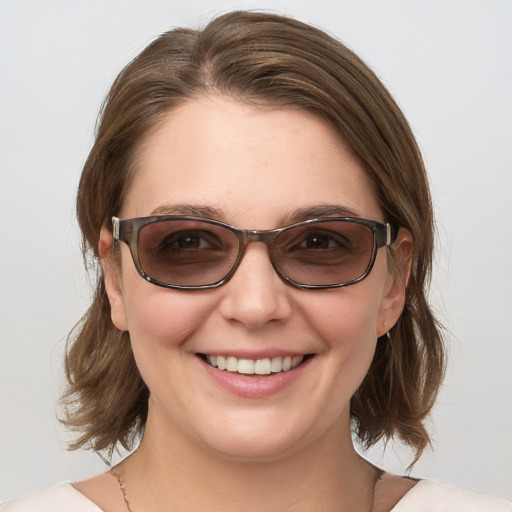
x: 172, y: 472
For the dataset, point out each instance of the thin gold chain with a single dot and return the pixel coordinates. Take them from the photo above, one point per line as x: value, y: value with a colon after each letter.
x: 117, y: 476
x: 121, y: 486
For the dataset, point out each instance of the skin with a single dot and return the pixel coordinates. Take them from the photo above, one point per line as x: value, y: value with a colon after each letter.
x: 291, y: 450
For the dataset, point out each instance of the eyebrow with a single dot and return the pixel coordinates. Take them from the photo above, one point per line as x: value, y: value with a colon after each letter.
x: 310, y: 212
x: 188, y: 209
x: 318, y: 211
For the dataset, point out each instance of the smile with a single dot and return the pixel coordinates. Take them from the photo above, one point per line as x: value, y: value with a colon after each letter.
x: 254, y: 366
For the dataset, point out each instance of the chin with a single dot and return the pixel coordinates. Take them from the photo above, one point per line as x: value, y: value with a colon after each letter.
x: 259, y: 439
x: 251, y: 450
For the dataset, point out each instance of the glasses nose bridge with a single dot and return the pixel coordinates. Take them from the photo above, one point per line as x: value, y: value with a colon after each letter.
x: 267, y: 237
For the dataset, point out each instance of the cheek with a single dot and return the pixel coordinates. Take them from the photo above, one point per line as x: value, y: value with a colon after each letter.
x: 346, y: 321
x: 160, y: 316
x: 162, y: 323
x: 347, y: 316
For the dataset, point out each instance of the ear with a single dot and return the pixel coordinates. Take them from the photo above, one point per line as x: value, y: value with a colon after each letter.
x: 393, y: 300
x: 112, y: 278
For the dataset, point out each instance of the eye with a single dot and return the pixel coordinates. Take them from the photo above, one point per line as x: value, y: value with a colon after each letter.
x: 319, y: 240
x: 189, y: 241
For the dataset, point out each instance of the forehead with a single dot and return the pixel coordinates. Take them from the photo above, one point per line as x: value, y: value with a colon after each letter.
x: 254, y: 165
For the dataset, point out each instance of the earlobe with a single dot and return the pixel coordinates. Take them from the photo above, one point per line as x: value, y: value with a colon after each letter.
x: 112, y: 279
x: 394, y: 299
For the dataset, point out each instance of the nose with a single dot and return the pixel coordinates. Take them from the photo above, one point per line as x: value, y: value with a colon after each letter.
x: 255, y: 295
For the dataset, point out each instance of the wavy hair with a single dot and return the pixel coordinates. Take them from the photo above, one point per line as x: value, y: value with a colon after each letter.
x: 257, y: 58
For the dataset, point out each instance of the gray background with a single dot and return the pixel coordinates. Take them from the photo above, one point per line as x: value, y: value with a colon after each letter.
x: 449, y: 65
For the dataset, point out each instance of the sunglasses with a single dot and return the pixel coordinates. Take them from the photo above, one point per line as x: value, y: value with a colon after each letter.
x: 194, y: 253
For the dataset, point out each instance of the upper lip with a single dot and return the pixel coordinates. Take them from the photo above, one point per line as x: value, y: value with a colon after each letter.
x: 255, y: 354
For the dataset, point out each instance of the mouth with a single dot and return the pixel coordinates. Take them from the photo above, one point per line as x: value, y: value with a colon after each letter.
x: 261, y: 367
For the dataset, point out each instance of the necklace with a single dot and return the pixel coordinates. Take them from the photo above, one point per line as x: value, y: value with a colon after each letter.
x: 117, y: 476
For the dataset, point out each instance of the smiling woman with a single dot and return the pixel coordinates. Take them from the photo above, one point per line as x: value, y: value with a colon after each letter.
x: 255, y: 316
x: 261, y: 215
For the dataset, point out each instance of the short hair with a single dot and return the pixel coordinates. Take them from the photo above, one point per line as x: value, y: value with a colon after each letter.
x: 260, y: 59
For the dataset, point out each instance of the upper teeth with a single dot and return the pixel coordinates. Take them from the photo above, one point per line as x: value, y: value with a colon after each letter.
x: 255, y: 366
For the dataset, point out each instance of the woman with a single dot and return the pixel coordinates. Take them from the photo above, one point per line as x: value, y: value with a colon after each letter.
x: 262, y: 218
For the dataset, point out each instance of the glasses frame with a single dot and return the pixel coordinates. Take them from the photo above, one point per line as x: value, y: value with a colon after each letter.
x: 127, y: 231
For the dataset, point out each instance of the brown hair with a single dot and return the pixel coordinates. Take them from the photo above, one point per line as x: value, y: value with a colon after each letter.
x: 269, y: 59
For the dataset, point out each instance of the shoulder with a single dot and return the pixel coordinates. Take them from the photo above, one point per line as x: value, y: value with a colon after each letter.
x: 61, y: 498
x: 430, y: 496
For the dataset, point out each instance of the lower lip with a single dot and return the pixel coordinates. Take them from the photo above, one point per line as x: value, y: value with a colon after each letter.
x: 254, y: 386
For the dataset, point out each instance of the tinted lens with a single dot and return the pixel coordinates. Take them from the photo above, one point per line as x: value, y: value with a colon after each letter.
x: 325, y: 253
x: 186, y: 253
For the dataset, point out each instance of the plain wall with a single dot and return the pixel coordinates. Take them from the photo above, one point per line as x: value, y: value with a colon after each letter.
x: 447, y: 62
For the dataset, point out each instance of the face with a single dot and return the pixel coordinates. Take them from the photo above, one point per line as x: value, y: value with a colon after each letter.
x: 253, y: 168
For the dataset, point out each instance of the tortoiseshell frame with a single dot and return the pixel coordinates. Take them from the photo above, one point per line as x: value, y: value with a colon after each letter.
x: 127, y: 231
